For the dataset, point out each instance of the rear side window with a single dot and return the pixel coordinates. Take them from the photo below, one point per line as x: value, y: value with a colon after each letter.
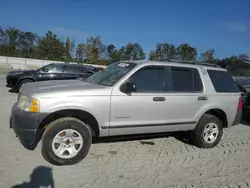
x: 82, y: 69
x: 186, y: 80
x: 183, y: 79
x: 222, y: 81
x: 71, y: 69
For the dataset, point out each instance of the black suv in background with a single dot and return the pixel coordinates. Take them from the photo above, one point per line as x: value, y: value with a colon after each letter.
x: 54, y: 71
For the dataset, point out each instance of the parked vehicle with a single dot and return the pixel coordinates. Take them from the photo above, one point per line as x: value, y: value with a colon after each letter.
x: 126, y: 98
x: 54, y: 71
x: 243, y: 82
x: 245, y: 98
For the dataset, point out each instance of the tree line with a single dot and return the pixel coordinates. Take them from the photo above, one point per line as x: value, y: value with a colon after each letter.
x: 17, y: 43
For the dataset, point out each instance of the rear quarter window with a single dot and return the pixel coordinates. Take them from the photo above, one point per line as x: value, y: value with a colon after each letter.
x: 223, y: 81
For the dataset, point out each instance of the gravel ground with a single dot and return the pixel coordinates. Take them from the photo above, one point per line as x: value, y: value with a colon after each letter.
x: 162, y: 161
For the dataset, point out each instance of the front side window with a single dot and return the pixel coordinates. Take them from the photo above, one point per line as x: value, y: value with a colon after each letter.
x: 110, y: 75
x: 53, y: 68
x: 149, y: 79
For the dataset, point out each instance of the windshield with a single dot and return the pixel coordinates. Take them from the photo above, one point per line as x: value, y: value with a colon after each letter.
x: 110, y: 75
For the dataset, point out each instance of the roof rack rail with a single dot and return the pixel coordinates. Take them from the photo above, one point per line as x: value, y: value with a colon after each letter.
x: 192, y: 62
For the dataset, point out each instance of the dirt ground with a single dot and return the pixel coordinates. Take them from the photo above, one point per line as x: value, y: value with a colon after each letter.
x: 149, y: 162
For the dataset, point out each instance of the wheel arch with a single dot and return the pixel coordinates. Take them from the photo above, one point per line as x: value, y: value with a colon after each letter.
x: 82, y: 115
x: 219, y: 113
x: 25, y: 78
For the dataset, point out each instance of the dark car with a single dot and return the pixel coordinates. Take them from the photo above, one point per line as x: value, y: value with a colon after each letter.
x: 54, y: 71
x: 245, y: 98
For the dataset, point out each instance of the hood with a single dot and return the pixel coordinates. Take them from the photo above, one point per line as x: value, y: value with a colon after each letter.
x: 20, y: 71
x: 57, y: 88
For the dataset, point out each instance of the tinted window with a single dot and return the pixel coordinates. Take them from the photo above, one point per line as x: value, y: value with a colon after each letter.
x: 149, y: 79
x: 197, y: 81
x: 82, y: 69
x: 53, y: 68
x: 71, y: 69
x: 182, y: 79
x: 222, y: 81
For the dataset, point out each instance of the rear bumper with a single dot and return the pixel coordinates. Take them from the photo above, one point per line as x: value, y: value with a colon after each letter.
x: 25, y: 126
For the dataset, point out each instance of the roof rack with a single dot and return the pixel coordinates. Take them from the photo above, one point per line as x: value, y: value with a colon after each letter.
x: 192, y: 62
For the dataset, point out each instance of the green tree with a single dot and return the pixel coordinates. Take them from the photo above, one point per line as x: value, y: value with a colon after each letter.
x: 81, y: 53
x: 186, y: 52
x: 13, y: 36
x: 28, y: 43
x: 3, y: 37
x: 72, y: 49
x: 208, y: 56
x: 165, y: 51
x: 94, y: 49
x: 3, y: 42
x: 152, y: 56
x: 113, y: 54
x: 132, y: 52
x: 67, y: 55
x: 50, y: 47
x: 10, y: 41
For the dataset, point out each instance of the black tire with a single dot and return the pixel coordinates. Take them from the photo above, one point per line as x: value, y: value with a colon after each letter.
x: 25, y: 81
x: 57, y: 126
x: 198, y: 133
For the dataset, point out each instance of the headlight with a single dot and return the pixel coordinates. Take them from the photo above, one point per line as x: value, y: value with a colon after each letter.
x: 28, y: 104
x: 14, y: 73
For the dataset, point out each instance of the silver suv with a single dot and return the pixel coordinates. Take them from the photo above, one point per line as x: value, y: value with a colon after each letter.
x: 126, y: 98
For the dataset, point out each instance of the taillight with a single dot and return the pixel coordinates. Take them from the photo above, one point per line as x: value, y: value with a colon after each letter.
x: 240, y: 104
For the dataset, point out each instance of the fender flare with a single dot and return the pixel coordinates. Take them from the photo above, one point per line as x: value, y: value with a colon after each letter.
x: 212, y: 108
x: 25, y: 77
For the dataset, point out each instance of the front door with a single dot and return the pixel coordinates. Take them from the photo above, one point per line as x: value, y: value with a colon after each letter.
x: 143, y: 110
x: 50, y: 72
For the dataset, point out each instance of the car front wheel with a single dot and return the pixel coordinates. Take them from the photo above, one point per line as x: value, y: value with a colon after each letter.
x: 66, y: 141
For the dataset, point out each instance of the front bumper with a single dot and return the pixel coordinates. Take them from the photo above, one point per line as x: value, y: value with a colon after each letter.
x: 11, y: 81
x: 26, y: 126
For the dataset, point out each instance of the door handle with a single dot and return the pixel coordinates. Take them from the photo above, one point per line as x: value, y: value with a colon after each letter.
x: 202, y: 98
x: 159, y: 99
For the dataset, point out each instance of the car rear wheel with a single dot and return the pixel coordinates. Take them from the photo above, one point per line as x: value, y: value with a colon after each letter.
x: 66, y: 141
x: 208, y: 131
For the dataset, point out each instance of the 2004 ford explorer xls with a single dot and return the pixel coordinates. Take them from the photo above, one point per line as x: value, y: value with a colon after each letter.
x: 126, y: 98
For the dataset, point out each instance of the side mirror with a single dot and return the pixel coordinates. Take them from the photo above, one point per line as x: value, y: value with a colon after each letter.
x: 129, y: 87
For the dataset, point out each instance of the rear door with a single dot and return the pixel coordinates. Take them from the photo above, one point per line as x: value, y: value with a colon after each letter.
x: 187, y: 96
x: 70, y: 71
x: 227, y: 93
